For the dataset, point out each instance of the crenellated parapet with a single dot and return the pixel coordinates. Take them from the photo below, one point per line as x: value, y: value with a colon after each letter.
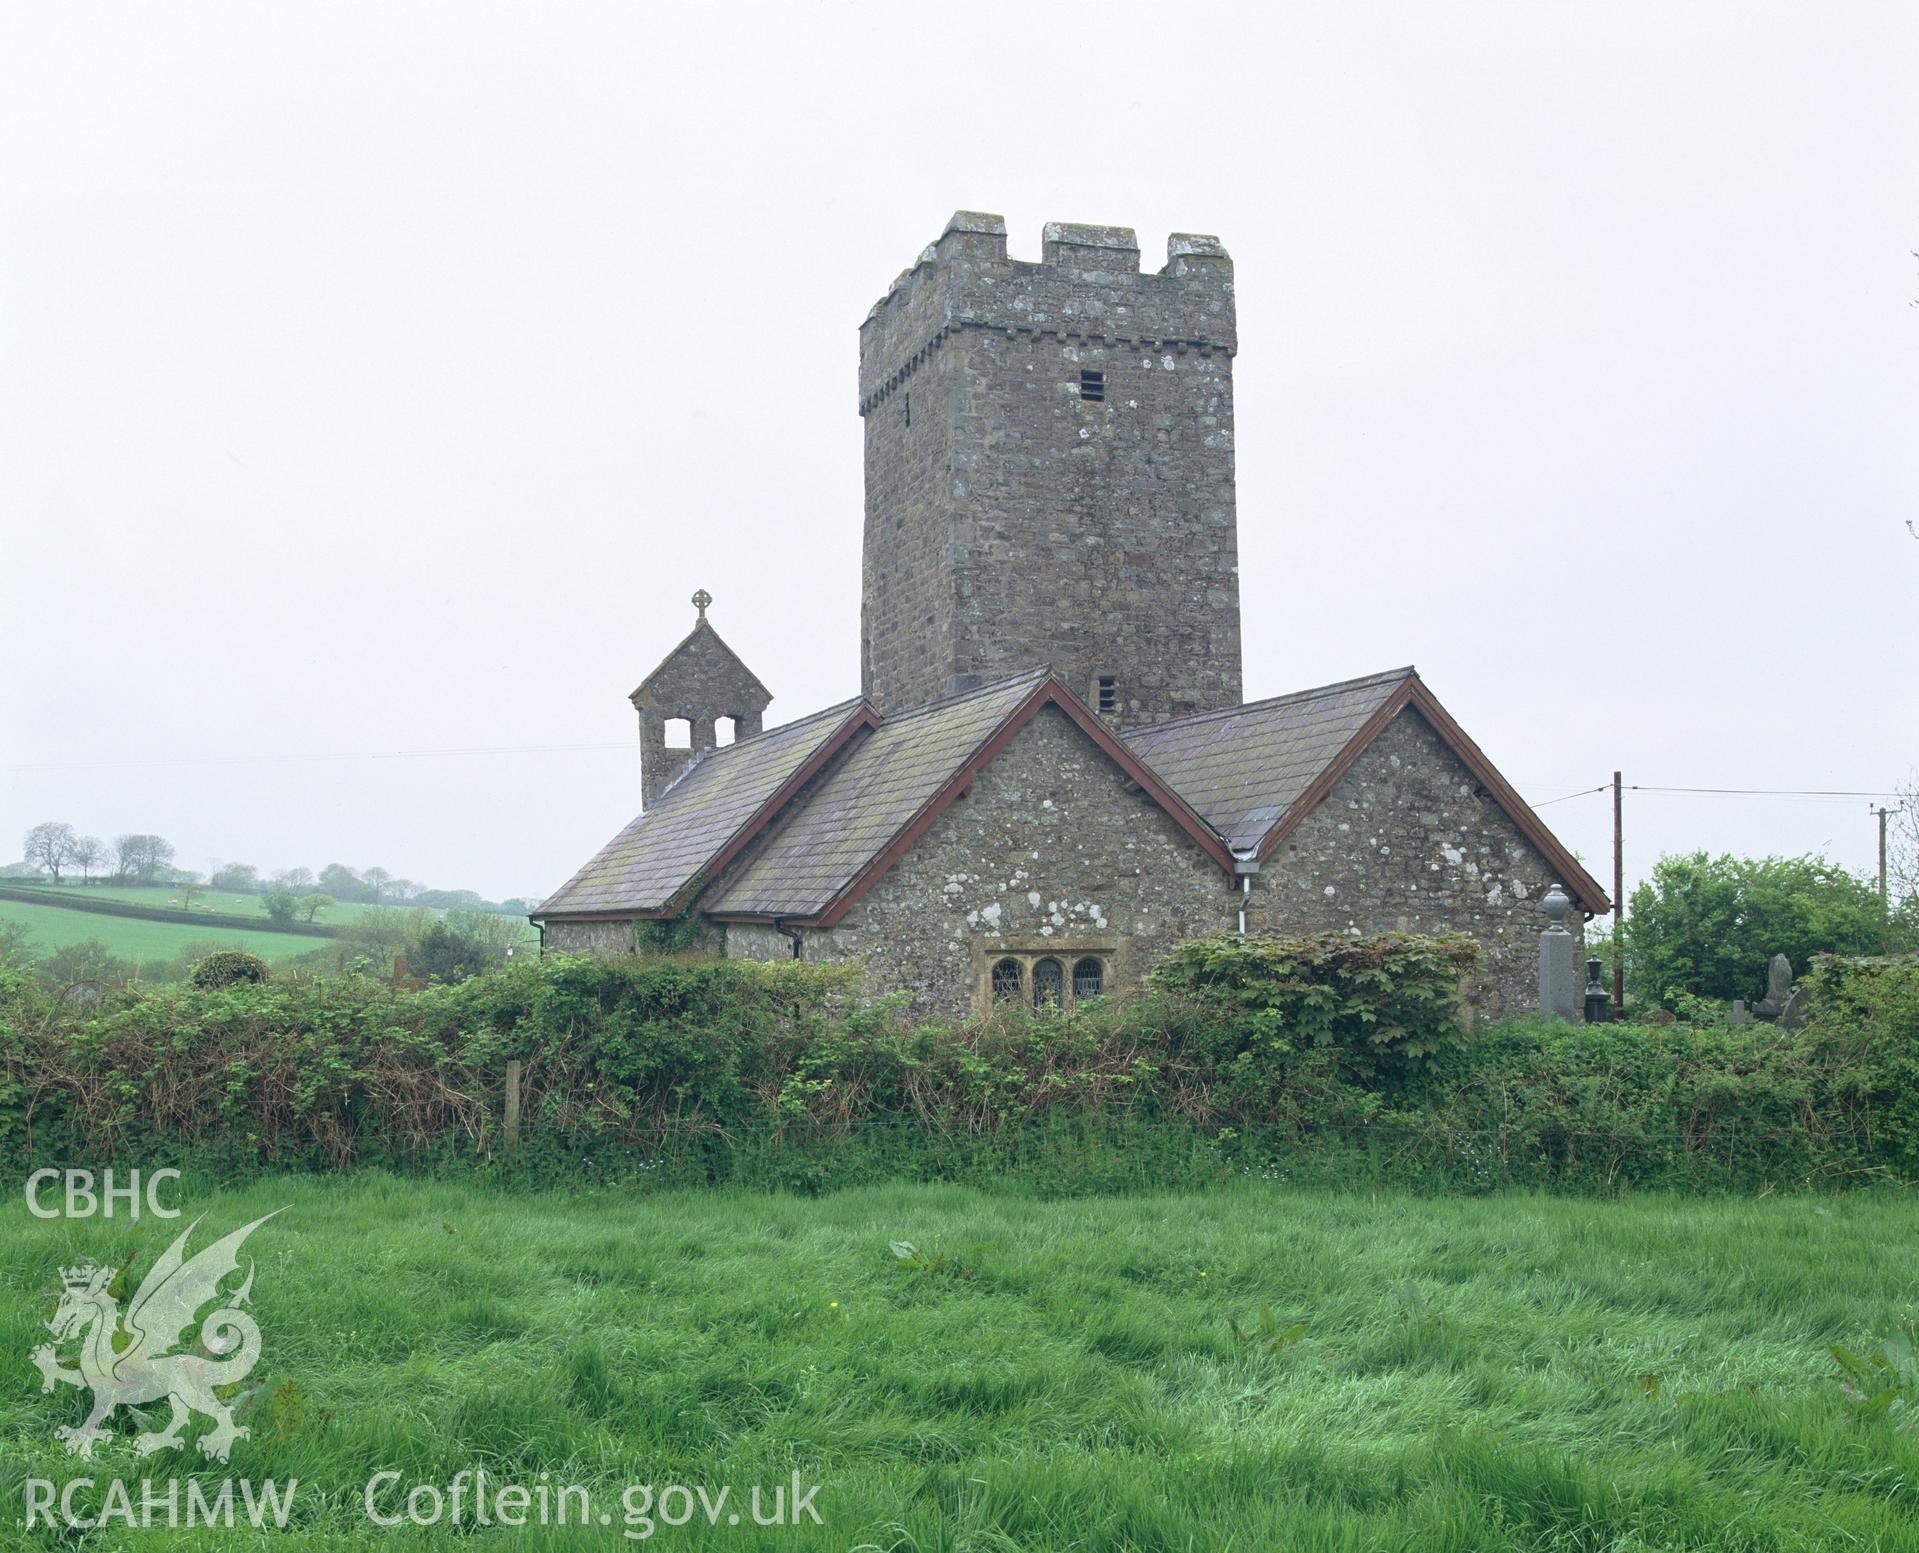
x: 1087, y: 288
x: 1049, y: 471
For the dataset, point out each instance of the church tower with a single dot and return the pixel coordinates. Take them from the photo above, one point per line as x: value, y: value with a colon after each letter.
x: 1049, y: 472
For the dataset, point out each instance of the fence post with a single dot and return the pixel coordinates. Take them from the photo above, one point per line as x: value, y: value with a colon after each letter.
x: 512, y: 1116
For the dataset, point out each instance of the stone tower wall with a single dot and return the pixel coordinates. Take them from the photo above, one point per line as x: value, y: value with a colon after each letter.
x: 1010, y: 520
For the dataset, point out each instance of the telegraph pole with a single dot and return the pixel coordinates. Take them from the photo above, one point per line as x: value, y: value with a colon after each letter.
x: 1619, y: 899
x: 1882, y: 811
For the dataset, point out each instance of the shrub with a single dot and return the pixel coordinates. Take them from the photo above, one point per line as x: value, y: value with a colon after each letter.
x: 227, y: 968
x: 440, y: 954
x: 1866, y: 1016
x: 88, y: 964
x: 1386, y: 1002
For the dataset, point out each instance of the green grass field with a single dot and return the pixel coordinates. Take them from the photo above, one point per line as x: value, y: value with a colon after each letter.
x: 171, y: 898
x: 1473, y: 1374
x: 156, y: 944
x: 147, y: 943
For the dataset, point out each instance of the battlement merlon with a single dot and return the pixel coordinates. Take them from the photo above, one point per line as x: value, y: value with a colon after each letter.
x: 1088, y: 286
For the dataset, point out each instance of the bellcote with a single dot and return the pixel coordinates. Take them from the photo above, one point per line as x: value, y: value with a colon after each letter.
x: 700, y: 690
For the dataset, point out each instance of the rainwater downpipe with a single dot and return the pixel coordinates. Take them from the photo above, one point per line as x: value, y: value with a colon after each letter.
x: 790, y: 933
x: 1245, y: 865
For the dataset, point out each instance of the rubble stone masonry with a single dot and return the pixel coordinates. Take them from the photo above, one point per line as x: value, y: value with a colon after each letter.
x: 1408, y: 842
x: 1051, y: 852
x: 1049, y: 472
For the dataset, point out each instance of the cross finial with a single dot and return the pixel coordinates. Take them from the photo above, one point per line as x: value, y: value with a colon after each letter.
x: 700, y: 600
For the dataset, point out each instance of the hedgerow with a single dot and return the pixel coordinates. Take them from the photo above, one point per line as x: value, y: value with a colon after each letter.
x: 1305, y: 1058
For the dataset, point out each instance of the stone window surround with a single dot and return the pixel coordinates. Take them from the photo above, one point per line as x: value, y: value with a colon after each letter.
x: 988, y: 952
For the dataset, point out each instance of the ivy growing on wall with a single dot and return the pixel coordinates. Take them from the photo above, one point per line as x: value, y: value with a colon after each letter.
x: 669, y: 935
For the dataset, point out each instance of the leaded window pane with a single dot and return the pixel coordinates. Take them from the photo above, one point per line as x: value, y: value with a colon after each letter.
x: 1049, y: 984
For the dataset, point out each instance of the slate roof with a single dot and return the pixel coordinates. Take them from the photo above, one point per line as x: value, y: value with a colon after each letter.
x: 1244, y: 767
x: 869, y: 798
x: 1238, y: 778
x: 715, y: 806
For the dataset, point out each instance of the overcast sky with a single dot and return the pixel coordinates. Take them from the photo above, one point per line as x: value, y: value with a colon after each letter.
x: 381, y: 379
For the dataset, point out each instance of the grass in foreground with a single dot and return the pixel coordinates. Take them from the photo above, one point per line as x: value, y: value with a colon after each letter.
x: 1473, y: 1373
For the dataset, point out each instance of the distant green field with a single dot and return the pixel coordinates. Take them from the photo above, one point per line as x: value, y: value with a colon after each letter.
x: 148, y: 943
x: 224, y: 902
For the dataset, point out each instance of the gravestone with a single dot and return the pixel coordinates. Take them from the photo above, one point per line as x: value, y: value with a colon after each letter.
x: 1598, y: 999
x: 1778, y: 989
x: 1557, y: 996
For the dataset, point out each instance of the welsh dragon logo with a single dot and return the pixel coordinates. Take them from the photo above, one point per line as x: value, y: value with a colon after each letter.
x: 127, y: 1359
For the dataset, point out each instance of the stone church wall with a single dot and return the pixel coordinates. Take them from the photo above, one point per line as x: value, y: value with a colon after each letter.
x: 603, y: 938
x: 621, y: 937
x: 1049, y: 852
x: 1407, y: 842
x: 757, y: 941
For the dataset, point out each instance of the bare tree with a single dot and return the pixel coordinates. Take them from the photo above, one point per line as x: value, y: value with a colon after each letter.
x: 89, y: 852
x: 298, y: 880
x: 1902, y: 843
x: 377, y: 882
x: 50, y: 844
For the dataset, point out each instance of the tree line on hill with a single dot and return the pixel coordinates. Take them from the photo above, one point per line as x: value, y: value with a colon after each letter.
x: 53, y: 847
x: 55, y: 850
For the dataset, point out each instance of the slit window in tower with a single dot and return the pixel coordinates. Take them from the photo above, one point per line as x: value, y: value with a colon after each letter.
x: 1108, y: 693
x: 1092, y: 386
